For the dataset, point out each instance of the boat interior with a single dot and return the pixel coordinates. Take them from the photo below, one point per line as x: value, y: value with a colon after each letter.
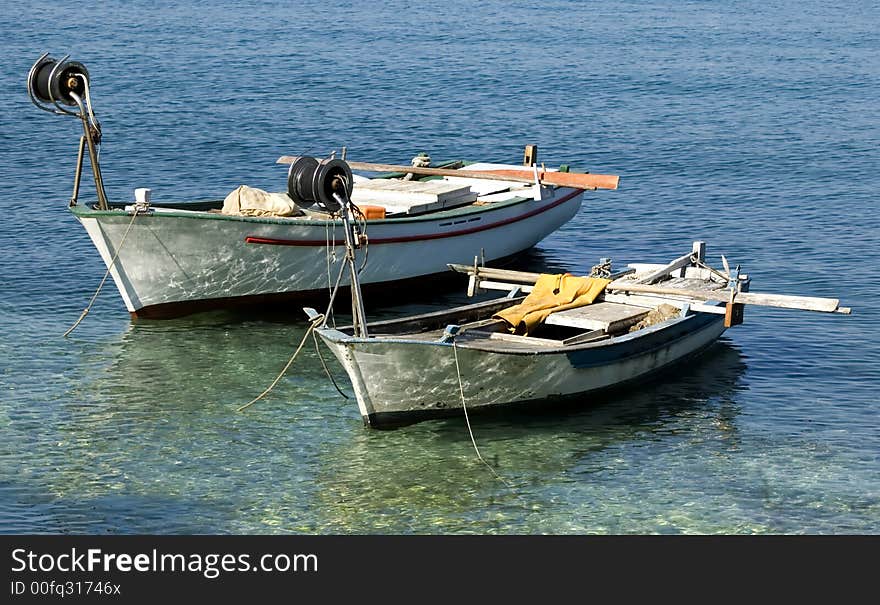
x: 611, y: 315
x: 390, y: 195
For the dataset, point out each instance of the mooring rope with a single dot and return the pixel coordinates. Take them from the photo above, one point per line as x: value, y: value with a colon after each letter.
x: 361, y: 218
x: 330, y: 251
x: 468, y: 421
x: 319, y: 319
x: 327, y: 255
x: 326, y: 370
x: 312, y: 326
x: 104, y: 279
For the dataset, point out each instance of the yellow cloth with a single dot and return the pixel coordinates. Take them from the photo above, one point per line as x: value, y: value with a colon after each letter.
x: 551, y: 293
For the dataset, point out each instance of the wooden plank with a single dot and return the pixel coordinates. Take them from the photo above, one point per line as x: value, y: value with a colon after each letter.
x: 481, y: 187
x: 606, y: 316
x: 591, y: 336
x: 563, y: 179
x: 701, y: 308
x: 733, y: 314
x: 518, y: 338
x: 495, y: 285
x: 688, y: 283
x: 806, y: 303
x: 520, y: 277
x: 785, y: 301
x: 636, y: 300
x: 680, y: 262
x: 412, y: 197
x: 652, y: 301
x: 458, y: 315
x: 482, y: 324
x: 429, y: 191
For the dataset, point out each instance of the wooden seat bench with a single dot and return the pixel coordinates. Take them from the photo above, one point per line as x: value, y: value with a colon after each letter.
x: 605, y: 316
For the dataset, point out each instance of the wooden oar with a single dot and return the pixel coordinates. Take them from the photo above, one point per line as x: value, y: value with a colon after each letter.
x: 520, y: 277
x: 806, y: 303
x: 562, y: 179
x: 785, y: 301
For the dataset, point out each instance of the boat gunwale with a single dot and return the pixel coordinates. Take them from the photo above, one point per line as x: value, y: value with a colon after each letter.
x: 86, y: 211
x: 488, y: 347
x: 424, y: 317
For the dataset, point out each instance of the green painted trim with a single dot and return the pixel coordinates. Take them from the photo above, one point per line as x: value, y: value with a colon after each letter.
x: 83, y: 211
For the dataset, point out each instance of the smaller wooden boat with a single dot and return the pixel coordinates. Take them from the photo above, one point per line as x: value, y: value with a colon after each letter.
x: 467, y: 359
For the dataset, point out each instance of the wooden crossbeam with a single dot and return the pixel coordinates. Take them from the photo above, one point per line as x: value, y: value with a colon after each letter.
x: 563, y: 179
x: 784, y: 301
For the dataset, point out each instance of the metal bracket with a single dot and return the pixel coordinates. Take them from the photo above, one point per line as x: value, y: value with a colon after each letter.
x: 450, y: 332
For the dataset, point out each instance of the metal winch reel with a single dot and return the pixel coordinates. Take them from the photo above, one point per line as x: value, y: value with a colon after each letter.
x: 320, y: 182
x: 56, y: 85
x: 329, y: 183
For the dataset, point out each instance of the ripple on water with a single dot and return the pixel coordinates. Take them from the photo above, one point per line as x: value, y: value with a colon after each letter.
x: 131, y: 427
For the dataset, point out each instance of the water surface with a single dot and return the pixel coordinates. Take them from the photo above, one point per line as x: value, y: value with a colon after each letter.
x: 752, y: 126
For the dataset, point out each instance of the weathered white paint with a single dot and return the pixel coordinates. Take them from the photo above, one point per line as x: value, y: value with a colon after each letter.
x: 391, y: 375
x: 177, y: 257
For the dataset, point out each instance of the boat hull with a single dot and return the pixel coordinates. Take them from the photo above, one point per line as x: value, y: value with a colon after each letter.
x: 399, y: 382
x: 171, y: 262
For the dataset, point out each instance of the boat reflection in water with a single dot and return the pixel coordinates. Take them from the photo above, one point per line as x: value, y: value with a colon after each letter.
x: 385, y: 480
x: 153, y: 444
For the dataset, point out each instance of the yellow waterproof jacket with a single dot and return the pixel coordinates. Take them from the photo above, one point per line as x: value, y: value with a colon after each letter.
x: 551, y: 293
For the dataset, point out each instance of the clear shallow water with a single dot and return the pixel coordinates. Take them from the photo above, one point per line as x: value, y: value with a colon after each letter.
x: 753, y: 127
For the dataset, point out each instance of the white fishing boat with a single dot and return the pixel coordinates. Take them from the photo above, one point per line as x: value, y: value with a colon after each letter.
x: 169, y: 259
x: 569, y: 339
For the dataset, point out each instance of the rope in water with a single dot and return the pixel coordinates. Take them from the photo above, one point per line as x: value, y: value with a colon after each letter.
x: 312, y: 326
x: 326, y: 370
x: 468, y: 420
x: 104, y: 279
x: 315, y: 322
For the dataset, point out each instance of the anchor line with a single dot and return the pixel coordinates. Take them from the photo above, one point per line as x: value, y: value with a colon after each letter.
x: 468, y: 421
x: 289, y: 363
x: 327, y: 254
x: 104, y: 279
x: 330, y: 253
x: 315, y: 322
x: 361, y: 218
x: 326, y: 370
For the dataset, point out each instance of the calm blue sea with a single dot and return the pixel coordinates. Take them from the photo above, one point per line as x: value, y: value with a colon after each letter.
x: 752, y: 125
